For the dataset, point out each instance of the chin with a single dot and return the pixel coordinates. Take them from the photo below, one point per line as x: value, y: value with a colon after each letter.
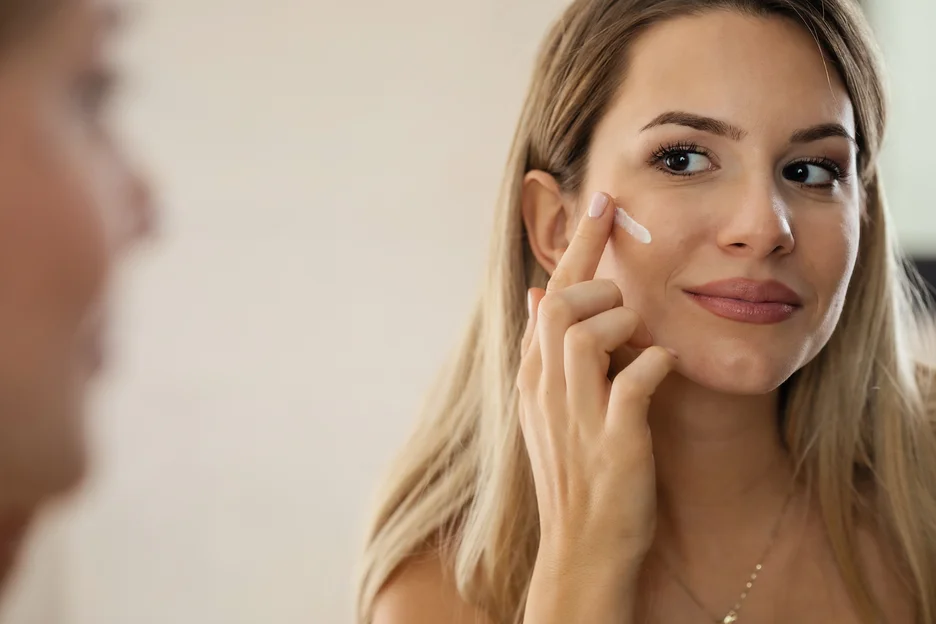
x: 36, y: 483
x: 44, y: 460
x: 63, y: 475
x: 741, y: 369
x: 67, y: 466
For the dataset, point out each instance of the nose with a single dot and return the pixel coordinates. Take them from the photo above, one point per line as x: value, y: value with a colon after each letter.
x: 758, y: 224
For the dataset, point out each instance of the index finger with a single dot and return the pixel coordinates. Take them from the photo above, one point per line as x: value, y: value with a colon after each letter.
x: 580, y: 260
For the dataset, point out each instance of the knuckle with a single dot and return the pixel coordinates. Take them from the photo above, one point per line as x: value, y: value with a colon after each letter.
x: 555, y: 308
x: 560, y: 278
x: 580, y: 340
x: 629, y: 391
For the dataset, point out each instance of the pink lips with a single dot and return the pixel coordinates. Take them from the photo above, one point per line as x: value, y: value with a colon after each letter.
x: 748, y: 301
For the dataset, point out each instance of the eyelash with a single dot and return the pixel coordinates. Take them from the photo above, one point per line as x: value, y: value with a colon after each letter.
x: 838, y: 173
x: 671, y: 149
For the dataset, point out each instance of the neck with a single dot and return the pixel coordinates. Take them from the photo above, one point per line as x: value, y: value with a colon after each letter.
x: 722, y: 470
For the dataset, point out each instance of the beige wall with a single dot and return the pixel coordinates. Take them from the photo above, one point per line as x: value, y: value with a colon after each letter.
x: 904, y: 29
x: 328, y: 174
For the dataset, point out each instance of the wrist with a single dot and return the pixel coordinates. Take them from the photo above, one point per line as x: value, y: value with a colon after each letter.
x: 613, y: 559
x: 564, y: 559
x: 572, y: 587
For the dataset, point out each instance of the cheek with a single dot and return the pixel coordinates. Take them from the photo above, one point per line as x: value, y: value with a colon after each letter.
x: 51, y: 240
x: 677, y: 225
x: 828, y: 244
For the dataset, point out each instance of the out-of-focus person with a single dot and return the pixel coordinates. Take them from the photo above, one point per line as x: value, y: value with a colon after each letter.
x: 70, y: 205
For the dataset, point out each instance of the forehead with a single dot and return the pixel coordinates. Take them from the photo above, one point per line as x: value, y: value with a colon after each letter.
x: 756, y: 72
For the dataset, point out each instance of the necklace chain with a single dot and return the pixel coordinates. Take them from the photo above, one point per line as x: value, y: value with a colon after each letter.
x: 733, y: 614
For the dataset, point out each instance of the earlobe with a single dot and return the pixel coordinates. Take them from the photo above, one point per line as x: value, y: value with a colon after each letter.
x: 546, y: 214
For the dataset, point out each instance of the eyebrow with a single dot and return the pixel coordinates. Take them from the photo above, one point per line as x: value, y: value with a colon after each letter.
x: 822, y: 131
x: 697, y: 122
x: 717, y: 127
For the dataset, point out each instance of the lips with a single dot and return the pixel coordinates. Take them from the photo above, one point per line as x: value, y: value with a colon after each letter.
x: 748, y: 301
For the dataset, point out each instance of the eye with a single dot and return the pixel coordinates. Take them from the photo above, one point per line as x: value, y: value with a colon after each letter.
x: 818, y: 173
x: 686, y: 162
x: 681, y: 160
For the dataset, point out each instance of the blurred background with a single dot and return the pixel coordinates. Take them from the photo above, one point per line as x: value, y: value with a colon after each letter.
x: 328, y: 172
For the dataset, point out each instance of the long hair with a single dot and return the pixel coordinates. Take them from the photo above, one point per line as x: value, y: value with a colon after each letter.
x: 859, y: 421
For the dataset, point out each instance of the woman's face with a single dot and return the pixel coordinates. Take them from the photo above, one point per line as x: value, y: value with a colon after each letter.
x: 732, y: 142
x: 69, y: 203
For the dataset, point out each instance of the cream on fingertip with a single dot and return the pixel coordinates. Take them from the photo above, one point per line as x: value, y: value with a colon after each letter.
x: 630, y: 226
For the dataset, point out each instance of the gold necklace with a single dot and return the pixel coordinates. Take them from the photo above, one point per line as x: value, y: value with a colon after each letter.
x: 732, y: 616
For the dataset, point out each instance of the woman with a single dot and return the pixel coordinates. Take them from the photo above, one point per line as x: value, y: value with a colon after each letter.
x: 785, y: 467
x: 69, y: 204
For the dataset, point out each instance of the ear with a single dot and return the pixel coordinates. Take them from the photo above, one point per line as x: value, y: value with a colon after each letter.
x: 547, y: 215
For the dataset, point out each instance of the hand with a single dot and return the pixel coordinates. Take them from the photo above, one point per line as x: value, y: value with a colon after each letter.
x: 587, y: 436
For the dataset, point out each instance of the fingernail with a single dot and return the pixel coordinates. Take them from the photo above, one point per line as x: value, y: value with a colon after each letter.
x: 598, y: 204
x: 529, y: 302
x: 673, y: 353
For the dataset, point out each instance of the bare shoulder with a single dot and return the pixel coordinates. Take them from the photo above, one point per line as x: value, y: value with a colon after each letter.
x: 886, y: 579
x: 423, y: 591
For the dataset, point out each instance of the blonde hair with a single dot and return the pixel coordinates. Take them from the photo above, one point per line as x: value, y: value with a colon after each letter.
x: 856, y: 419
